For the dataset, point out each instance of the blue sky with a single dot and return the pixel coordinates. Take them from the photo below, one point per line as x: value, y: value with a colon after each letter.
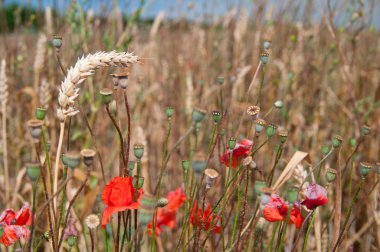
x: 175, y: 8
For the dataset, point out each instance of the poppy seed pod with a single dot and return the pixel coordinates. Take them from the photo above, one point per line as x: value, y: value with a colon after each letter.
x: 220, y: 80
x: 265, y: 195
x: 33, y: 170
x: 266, y: 44
x: 71, y: 159
x: 352, y: 142
x: 336, y: 141
x: 162, y: 202
x: 35, y: 128
x: 259, y: 184
x: 131, y: 166
x: 264, y: 57
x: 169, y: 112
x: 40, y: 113
x: 325, y: 150
x: 120, y: 80
x: 198, y: 164
x: 283, y: 134
x: 330, y: 175
x: 231, y: 143
x: 216, y: 116
x: 57, y: 42
x: 292, y: 194
x: 211, y: 175
x: 198, y: 115
x: 88, y: 156
x: 138, y: 151
x: 364, y: 169
x: 106, y: 95
x: 366, y: 130
x: 278, y: 104
x: 253, y: 111
x: 72, y: 240
x: 259, y: 125
x: 271, y: 130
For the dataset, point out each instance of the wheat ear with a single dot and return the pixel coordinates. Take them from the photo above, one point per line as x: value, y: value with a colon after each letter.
x: 69, y: 90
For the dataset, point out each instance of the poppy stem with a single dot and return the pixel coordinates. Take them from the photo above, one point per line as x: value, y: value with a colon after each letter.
x: 308, y: 231
x: 348, y: 215
x: 277, y: 225
x: 283, y: 231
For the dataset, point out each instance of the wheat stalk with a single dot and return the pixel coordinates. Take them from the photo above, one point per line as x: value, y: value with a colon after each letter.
x: 4, y: 101
x: 69, y: 90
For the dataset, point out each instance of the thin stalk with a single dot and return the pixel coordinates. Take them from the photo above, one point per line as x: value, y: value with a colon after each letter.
x: 60, y: 62
x: 63, y: 200
x: 92, y: 240
x: 308, y: 231
x: 34, y: 190
x: 164, y: 153
x: 277, y: 159
x: 353, y: 201
x: 244, y: 207
x: 44, y: 143
x: 261, y: 85
x: 277, y: 225
x: 128, y: 134
x: 57, y: 160
x: 5, y: 151
x: 283, y: 231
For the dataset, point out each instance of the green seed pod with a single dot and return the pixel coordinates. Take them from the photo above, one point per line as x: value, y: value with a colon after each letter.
x: 35, y: 128
x: 162, y: 202
x: 330, y: 175
x: 33, y: 170
x: 185, y: 165
x: 71, y: 159
x: 169, y: 112
x: 220, y: 80
x: 216, y: 117
x: 264, y: 57
x: 231, y: 143
x: 292, y: 194
x: 57, y: 41
x: 336, y: 141
x: 40, y: 113
x: 198, y: 115
x: 271, y: 130
x: 138, y: 150
x: 106, y: 95
x: 72, y: 240
x: 364, y: 169
x: 366, y: 130
x: 352, y: 142
x: 258, y: 186
x: 283, y: 134
x: 259, y: 125
x: 278, y: 104
x: 138, y: 182
x: 325, y: 150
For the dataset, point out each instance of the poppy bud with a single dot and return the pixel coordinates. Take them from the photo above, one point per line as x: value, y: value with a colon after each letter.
x: 88, y: 156
x: 185, y: 165
x: 283, y: 134
x: 198, y: 115
x: 330, y: 175
x: 162, y: 202
x: 271, y: 130
x: 72, y: 240
x: 71, y: 159
x: 259, y: 125
x: 264, y: 56
x: 35, y: 128
x: 231, y: 143
x: 292, y: 194
x: 138, y: 182
x: 325, y: 150
x: 258, y: 186
x: 106, y: 95
x: 33, y: 170
x: 364, y: 169
x: 169, y: 112
x: 336, y: 141
x: 57, y: 42
x: 352, y: 142
x: 138, y: 150
x: 131, y: 166
x: 40, y: 113
x: 216, y: 117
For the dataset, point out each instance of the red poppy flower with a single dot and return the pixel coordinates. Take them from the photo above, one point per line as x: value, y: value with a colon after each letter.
x: 316, y: 196
x: 167, y: 216
x: 164, y: 218
x: 240, y: 151
x: 277, y: 210
x: 13, y: 225
x: 205, y: 220
x: 120, y: 195
x: 175, y: 199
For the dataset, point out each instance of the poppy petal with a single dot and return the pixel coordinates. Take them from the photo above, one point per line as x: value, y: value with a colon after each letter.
x: 108, y: 213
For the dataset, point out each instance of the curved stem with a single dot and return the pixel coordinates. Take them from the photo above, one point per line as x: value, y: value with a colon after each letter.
x: 56, y: 166
x: 128, y: 135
